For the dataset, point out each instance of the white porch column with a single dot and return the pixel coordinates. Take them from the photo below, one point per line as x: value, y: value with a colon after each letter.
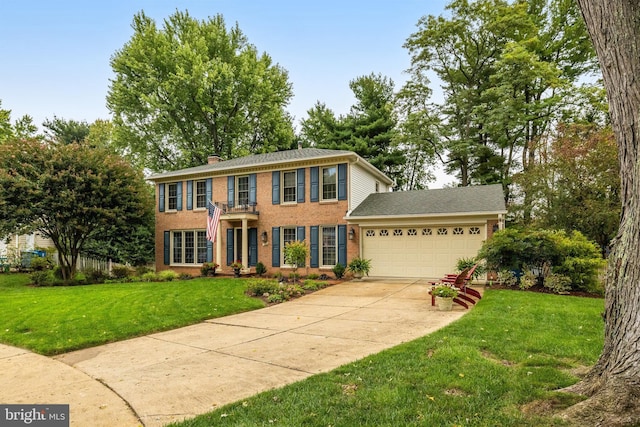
x: 219, y: 245
x: 245, y: 244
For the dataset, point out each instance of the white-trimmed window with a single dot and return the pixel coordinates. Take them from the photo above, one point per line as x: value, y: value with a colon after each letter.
x: 200, y: 194
x: 188, y: 247
x: 289, y: 186
x: 329, y: 251
x: 172, y: 196
x: 242, y: 184
x: 330, y: 183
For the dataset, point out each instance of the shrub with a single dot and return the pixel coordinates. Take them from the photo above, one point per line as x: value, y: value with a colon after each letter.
x: 507, y: 278
x: 571, y: 255
x: 43, y: 278
x: 464, y: 263
x: 40, y: 263
x: 313, y: 276
x: 143, y: 269
x: 149, y: 277
x: 94, y: 275
x: 185, y: 276
x: 259, y: 287
x: 557, y: 283
x: 312, y: 285
x: 528, y: 280
x: 261, y: 269
x: 294, y: 276
x: 275, y: 298
x: 121, y: 272
x: 167, y: 275
x: 338, y: 270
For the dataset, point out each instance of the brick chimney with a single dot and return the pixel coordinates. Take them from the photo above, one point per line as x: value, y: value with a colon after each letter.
x: 213, y: 159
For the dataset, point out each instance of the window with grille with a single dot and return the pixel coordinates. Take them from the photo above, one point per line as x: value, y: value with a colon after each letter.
x: 397, y: 232
x: 412, y: 232
x: 243, y: 190
x: 384, y: 233
x: 201, y: 194
x: 427, y: 232
x: 289, y: 187
x: 172, y: 196
x: 329, y: 246
x: 189, y: 247
x: 330, y: 183
x: 458, y: 231
x: 370, y: 233
x: 474, y: 230
x: 442, y: 232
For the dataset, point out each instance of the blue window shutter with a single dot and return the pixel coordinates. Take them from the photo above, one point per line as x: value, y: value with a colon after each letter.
x: 189, y: 195
x: 179, y: 196
x: 342, y: 245
x: 342, y: 182
x: 300, y: 190
x: 231, y: 181
x: 209, y: 251
x: 209, y: 189
x: 275, y: 187
x: 167, y: 247
x: 315, y: 184
x: 300, y: 233
x: 161, y: 197
x: 313, y: 246
x: 230, y: 246
x: 275, y: 247
x: 252, y: 188
x: 253, y: 247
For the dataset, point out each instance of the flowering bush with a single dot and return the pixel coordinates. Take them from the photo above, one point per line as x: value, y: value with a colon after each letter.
x: 236, y: 265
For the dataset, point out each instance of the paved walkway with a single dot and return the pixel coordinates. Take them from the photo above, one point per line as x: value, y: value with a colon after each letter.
x: 170, y: 376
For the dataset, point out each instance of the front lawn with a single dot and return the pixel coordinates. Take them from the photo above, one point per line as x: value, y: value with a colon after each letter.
x: 52, y: 320
x: 497, y: 366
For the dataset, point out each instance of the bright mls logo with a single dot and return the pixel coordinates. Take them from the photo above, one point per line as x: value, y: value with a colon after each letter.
x: 34, y: 415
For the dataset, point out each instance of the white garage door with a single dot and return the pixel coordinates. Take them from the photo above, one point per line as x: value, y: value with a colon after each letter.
x: 426, y: 252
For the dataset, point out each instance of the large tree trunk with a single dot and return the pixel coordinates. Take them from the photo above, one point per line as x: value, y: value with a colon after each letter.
x: 614, y: 383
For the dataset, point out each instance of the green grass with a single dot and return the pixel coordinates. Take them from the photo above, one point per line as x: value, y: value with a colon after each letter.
x: 52, y: 320
x: 511, y: 352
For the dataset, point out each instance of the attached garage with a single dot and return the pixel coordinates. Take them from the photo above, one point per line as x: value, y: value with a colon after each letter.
x: 424, y: 233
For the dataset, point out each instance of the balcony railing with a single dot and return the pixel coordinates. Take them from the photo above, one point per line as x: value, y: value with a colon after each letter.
x: 239, y: 208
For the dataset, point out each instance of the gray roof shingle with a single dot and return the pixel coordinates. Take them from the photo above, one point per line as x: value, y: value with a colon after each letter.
x: 256, y: 160
x: 482, y: 198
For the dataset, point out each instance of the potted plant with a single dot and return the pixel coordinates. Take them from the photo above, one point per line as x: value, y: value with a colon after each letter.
x: 209, y: 269
x: 444, y: 295
x: 237, y: 266
x: 359, y: 267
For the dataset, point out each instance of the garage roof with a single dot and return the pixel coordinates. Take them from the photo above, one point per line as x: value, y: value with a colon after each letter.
x: 473, y: 199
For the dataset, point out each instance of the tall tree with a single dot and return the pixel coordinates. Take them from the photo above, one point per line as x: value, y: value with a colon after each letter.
x: 613, y: 384
x: 194, y: 88
x: 70, y: 193
x: 21, y: 128
x: 506, y: 68
x: 62, y: 131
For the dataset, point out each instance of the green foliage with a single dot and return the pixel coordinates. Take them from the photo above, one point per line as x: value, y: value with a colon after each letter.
x: 571, y: 255
x: 527, y: 280
x: 261, y: 269
x: 507, y: 278
x: 444, y: 291
x: 464, y: 263
x: 359, y: 266
x: 70, y: 193
x: 209, y: 269
x: 232, y: 98
x: 273, y: 290
x: 313, y: 276
x: 40, y: 263
x: 295, y: 254
x: 167, y: 275
x: 312, y: 285
x: 150, y: 277
x: 43, y: 278
x: 95, y: 276
x: 338, y: 270
x: 557, y: 283
x: 121, y: 272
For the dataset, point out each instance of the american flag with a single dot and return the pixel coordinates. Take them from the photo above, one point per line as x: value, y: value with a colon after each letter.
x: 213, y: 218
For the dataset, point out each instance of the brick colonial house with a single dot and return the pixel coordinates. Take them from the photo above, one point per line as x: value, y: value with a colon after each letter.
x: 334, y: 200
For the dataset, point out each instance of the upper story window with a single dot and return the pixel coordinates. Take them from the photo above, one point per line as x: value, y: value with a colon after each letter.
x: 201, y: 194
x: 329, y: 183
x: 172, y: 196
x: 289, y: 185
x: 243, y: 190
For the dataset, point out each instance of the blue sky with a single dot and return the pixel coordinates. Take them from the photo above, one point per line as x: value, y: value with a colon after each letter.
x: 55, y: 54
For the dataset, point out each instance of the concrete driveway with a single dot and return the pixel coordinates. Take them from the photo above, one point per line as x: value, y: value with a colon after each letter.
x: 178, y: 374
